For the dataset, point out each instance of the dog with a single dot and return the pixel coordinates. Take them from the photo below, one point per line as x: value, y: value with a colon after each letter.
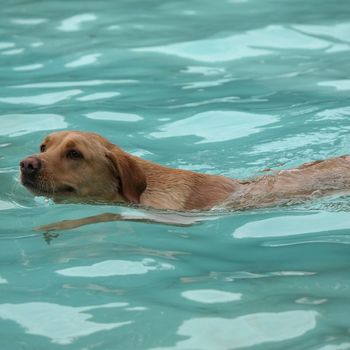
x: 80, y: 166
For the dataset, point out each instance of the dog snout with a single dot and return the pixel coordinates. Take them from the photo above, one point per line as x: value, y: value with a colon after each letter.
x: 30, y: 166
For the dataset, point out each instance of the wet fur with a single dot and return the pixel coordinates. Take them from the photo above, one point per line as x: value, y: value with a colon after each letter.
x: 109, y: 174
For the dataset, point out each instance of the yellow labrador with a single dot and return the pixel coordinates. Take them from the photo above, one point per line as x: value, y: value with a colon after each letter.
x: 86, y: 167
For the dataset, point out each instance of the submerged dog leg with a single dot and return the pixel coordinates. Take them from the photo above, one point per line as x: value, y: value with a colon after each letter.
x: 163, y: 219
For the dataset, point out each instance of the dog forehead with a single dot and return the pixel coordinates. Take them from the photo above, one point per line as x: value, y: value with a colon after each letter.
x: 74, y: 138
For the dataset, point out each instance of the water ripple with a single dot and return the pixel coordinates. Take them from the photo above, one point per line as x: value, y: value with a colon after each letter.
x: 339, y: 31
x: 294, y: 225
x: 13, y: 125
x: 294, y: 142
x: 60, y: 84
x: 62, y: 324
x: 210, y: 296
x: 243, y: 331
x: 205, y: 84
x: 43, y: 99
x: 28, y: 21
x: 216, y: 126
x: 28, y: 67
x: 84, y: 60
x: 250, y: 44
x: 341, y: 85
x: 13, y: 52
x: 116, y: 268
x: 5, y: 205
x: 98, y: 96
x: 206, y: 71
x: 74, y: 23
x: 5, y: 45
x: 122, y: 117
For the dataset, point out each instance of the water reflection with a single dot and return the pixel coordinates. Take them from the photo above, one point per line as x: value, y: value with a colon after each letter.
x: 333, y: 114
x: 281, y: 87
x: 294, y: 225
x: 5, y: 205
x: 98, y: 96
x: 116, y: 268
x: 6, y: 45
x: 13, y: 125
x: 28, y: 67
x: 341, y: 85
x: 60, y: 323
x: 253, y: 43
x: 74, y: 23
x: 216, y: 126
x: 37, y: 44
x: 339, y: 31
x: 60, y: 84
x: 12, y: 52
x: 203, y: 70
x: 83, y: 60
x: 116, y: 116
x: 216, y: 333
x: 340, y: 346
x: 205, y: 84
x: 242, y: 275
x: 210, y: 296
x: 28, y: 21
x: 297, y: 141
x: 43, y: 99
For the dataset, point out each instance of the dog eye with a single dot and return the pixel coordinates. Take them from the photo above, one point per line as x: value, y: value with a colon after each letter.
x: 42, y: 148
x: 74, y: 154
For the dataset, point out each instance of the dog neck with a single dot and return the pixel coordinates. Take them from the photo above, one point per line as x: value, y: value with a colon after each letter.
x: 176, y: 189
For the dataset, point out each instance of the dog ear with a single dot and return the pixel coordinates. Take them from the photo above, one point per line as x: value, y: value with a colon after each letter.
x: 132, y: 178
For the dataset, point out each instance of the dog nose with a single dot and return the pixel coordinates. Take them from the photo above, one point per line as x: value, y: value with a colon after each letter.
x: 30, y: 165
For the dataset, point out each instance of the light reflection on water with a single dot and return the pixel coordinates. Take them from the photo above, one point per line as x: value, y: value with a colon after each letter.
x: 241, y: 332
x: 228, y: 87
x: 61, y: 324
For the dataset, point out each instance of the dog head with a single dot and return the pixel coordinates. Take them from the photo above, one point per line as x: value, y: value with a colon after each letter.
x: 83, y: 166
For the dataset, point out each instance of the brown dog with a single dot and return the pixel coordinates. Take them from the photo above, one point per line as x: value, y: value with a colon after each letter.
x: 85, y: 167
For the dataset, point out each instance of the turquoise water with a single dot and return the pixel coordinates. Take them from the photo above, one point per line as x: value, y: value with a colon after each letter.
x: 224, y: 87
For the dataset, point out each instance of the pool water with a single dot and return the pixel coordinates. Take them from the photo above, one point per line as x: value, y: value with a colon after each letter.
x: 221, y: 87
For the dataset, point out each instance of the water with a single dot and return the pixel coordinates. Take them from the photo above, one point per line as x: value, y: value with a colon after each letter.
x: 224, y: 87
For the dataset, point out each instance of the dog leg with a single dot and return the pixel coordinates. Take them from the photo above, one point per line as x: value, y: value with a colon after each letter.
x: 163, y: 219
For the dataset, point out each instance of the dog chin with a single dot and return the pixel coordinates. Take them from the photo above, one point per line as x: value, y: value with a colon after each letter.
x: 32, y: 187
x: 39, y: 190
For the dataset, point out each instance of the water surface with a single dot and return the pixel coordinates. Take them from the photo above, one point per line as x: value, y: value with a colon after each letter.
x: 226, y: 87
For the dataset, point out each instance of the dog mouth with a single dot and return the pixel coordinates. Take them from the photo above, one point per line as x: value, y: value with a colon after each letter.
x: 28, y: 182
x: 38, y: 188
x: 66, y: 189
